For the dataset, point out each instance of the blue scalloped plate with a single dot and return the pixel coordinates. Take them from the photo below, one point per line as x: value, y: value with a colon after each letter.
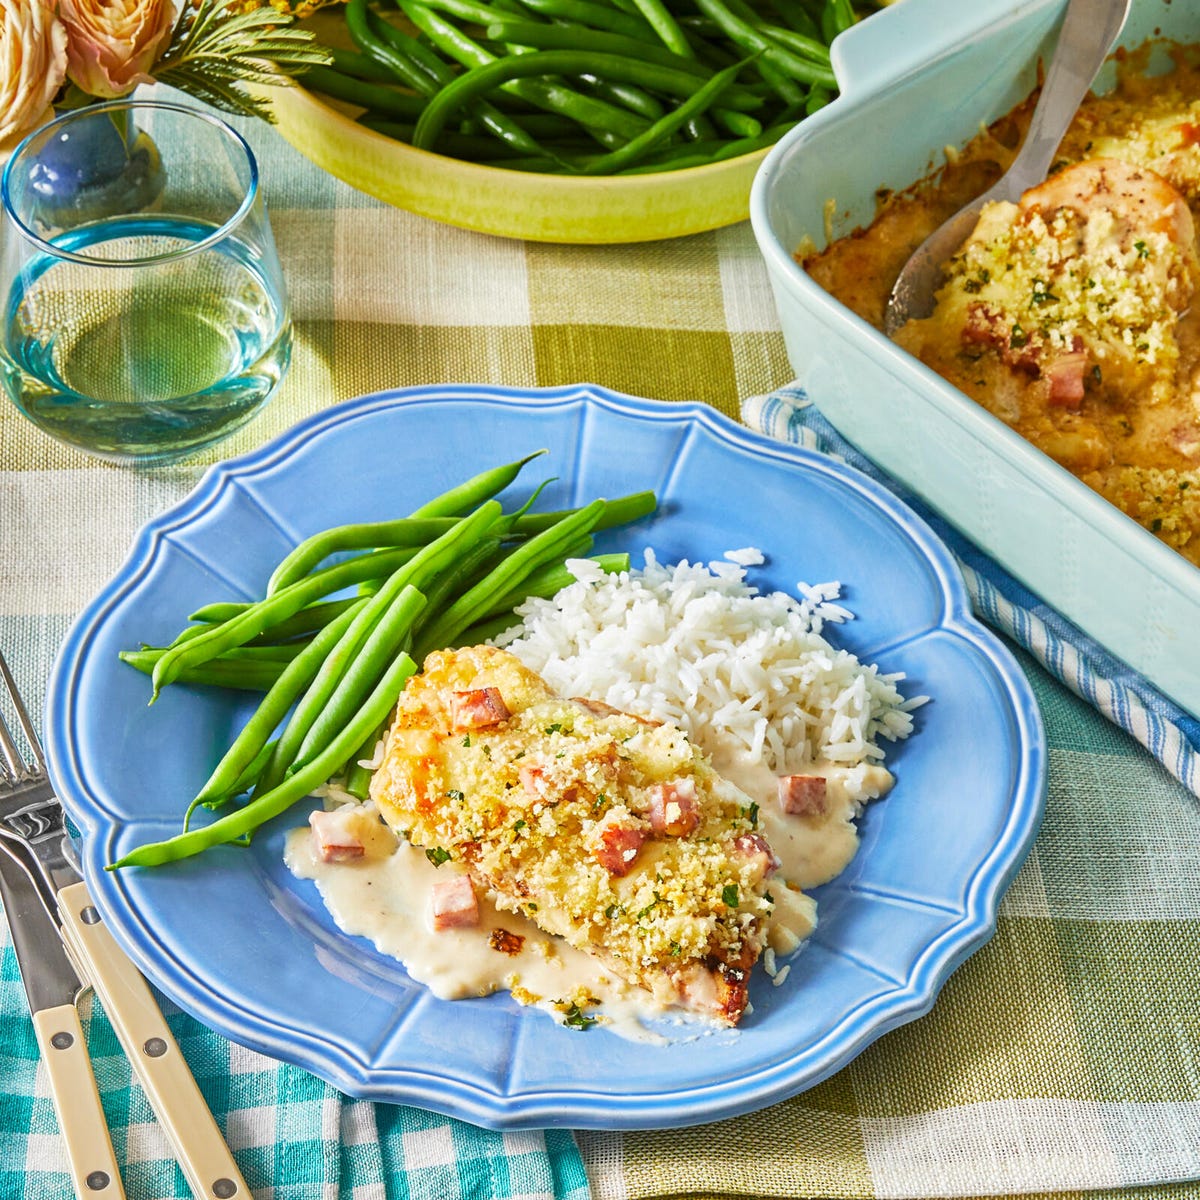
x: 234, y: 939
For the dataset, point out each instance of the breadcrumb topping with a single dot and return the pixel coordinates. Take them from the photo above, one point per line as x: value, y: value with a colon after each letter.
x: 551, y: 810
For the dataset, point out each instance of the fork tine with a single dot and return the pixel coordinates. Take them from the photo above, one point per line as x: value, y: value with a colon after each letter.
x: 14, y: 763
x: 23, y: 717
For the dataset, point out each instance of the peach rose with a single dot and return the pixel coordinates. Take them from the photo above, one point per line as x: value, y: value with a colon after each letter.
x: 33, y: 64
x: 112, y: 44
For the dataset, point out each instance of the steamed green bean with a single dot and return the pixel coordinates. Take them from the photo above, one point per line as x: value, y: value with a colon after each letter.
x: 778, y: 52
x: 331, y: 664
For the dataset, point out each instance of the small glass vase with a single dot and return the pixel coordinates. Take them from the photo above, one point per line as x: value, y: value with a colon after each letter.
x: 92, y: 169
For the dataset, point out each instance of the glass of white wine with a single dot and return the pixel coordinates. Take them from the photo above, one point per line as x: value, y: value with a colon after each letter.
x: 144, y: 309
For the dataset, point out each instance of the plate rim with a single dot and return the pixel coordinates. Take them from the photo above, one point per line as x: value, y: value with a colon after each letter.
x: 537, y: 1107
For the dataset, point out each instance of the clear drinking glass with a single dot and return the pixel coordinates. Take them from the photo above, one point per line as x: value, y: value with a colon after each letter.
x: 145, y: 313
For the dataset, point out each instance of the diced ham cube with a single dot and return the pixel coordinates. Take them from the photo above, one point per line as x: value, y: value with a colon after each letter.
x: 336, y: 835
x: 982, y: 326
x: 1185, y: 437
x: 453, y: 903
x: 674, y: 808
x: 1065, y: 376
x: 757, y: 851
x: 802, y: 795
x: 618, y: 848
x: 479, y: 708
x: 986, y: 327
x: 537, y: 785
x: 533, y: 780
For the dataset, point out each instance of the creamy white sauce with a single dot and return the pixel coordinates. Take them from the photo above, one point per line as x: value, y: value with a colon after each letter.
x: 385, y: 898
x: 814, y: 849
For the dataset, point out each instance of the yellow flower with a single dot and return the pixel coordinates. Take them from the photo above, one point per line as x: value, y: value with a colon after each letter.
x: 112, y: 45
x: 294, y: 8
x: 33, y: 64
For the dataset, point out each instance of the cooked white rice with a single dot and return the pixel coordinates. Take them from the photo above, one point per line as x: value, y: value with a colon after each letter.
x: 740, y: 671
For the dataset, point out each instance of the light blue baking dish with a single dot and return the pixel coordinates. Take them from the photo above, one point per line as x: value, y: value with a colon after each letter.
x: 915, y: 79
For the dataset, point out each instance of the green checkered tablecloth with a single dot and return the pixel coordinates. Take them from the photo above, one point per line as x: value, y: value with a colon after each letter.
x: 1063, y: 1057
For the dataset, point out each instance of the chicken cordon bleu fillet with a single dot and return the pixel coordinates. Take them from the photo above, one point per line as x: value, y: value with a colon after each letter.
x: 607, y: 830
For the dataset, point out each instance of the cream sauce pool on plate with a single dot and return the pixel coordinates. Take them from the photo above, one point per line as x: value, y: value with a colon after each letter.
x: 384, y: 897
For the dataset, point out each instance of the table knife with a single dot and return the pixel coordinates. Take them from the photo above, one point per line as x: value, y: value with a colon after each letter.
x: 157, y: 1062
x: 52, y: 986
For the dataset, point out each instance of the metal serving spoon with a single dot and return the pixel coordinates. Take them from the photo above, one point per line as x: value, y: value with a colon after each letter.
x: 1089, y: 29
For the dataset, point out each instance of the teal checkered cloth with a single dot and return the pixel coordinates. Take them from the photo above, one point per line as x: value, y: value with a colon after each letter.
x: 294, y: 1137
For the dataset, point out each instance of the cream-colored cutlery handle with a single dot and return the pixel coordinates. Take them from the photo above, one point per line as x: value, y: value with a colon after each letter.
x: 156, y: 1058
x: 77, y: 1102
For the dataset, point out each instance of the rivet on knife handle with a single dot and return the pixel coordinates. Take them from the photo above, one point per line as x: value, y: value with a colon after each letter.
x: 77, y: 1102
x: 151, y: 1048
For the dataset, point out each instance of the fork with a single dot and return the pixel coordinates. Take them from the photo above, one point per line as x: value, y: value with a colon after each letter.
x: 34, y: 835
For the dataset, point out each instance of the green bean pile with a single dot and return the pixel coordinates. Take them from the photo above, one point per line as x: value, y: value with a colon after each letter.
x: 586, y: 87
x: 332, y: 665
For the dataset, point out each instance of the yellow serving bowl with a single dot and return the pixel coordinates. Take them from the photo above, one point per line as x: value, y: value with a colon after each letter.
x: 516, y: 204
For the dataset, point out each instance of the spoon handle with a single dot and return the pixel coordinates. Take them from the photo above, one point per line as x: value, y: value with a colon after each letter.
x: 1088, y: 31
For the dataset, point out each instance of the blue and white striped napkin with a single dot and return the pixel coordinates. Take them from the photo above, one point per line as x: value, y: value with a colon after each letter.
x: 1079, y: 662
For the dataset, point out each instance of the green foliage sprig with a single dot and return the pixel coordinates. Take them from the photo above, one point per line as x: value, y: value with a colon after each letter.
x: 218, y: 47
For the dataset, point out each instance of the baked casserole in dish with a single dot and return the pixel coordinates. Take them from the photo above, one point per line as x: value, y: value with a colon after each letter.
x: 1049, y: 408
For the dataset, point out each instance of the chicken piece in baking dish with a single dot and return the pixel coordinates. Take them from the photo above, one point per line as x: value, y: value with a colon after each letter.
x: 1076, y: 291
x: 610, y: 831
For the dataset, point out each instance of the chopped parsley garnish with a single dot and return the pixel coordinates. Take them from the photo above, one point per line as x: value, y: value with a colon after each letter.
x: 1041, y: 293
x: 487, y: 750
x: 519, y: 825
x: 729, y: 894
x: 612, y: 910
x: 976, y: 283
x: 576, y: 1018
x: 456, y: 795
x: 555, y: 728
x: 437, y: 856
x: 600, y: 801
x: 645, y: 912
x: 1156, y: 525
x: 676, y: 949
x: 1143, y: 251
x: 467, y: 740
x: 1018, y: 337
x: 752, y: 815
x: 768, y: 898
